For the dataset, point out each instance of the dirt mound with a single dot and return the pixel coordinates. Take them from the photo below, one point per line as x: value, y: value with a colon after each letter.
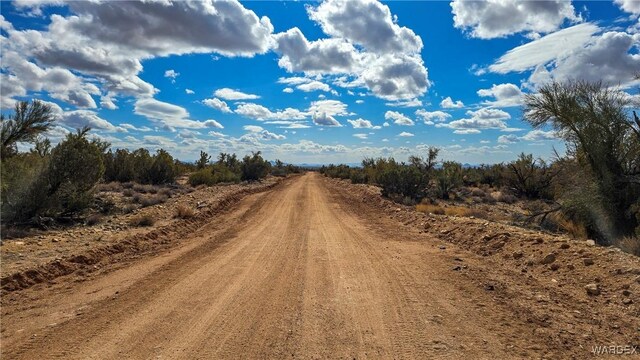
x: 133, y: 245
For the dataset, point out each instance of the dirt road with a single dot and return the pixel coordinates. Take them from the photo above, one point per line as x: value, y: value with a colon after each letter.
x: 295, y: 272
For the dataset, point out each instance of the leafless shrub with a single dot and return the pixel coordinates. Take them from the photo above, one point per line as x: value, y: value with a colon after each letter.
x: 152, y: 200
x: 184, y: 212
x: 143, y: 220
x: 94, y: 219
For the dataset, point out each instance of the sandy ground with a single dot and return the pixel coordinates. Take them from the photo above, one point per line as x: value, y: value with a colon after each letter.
x: 316, y: 269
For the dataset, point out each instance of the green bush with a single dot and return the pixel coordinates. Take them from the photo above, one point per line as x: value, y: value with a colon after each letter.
x: 202, y: 177
x: 358, y: 176
x: 339, y: 171
x: 254, y: 167
x: 74, y: 169
x: 162, y: 170
x: 404, y: 180
x: 223, y: 174
x: 448, y: 178
x: 59, y: 184
x: 24, y: 187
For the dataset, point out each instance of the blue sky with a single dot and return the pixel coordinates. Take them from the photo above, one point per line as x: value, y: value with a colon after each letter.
x: 312, y: 82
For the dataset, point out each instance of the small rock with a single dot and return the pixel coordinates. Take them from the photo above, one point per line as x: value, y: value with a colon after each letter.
x: 457, y: 268
x: 590, y: 243
x: 565, y: 246
x: 587, y: 261
x: 18, y: 242
x: 442, y: 247
x: 550, y: 258
x: 489, y: 287
x: 626, y: 292
x: 518, y: 255
x: 554, y: 267
x: 592, y: 289
x: 627, y: 301
x: 538, y: 241
x: 570, y: 267
x: 530, y: 262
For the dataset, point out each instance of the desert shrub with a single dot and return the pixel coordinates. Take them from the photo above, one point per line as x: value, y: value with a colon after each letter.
x: 142, y: 220
x: 478, y: 192
x: 166, y: 192
x: 403, y: 180
x: 129, y: 208
x: 142, y: 162
x: 629, y: 245
x: 448, y: 178
x: 506, y: 198
x: 477, y: 213
x: 451, y: 211
x: 358, y: 176
x: 279, y: 172
x: 59, y: 184
x: 184, y: 212
x: 430, y: 209
x: 140, y: 166
x: 162, y: 170
x: 24, y: 187
x: 224, y: 174
x: 109, y: 187
x: 128, y: 192
x: 119, y: 166
x: 557, y: 222
x: 140, y: 188
x: 280, y: 169
x: 336, y: 171
x: 8, y: 233
x: 530, y: 178
x: 74, y: 169
x: 488, y: 199
x: 254, y: 167
x: 202, y: 177
x: 93, y: 219
x: 152, y: 200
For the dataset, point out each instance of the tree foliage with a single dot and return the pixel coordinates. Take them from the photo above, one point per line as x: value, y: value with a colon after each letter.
x: 448, y: 178
x: 202, y: 162
x: 254, y: 167
x: 603, y: 138
x: 28, y: 121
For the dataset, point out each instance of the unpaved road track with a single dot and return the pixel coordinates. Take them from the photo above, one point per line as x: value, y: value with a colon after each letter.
x: 295, y: 272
